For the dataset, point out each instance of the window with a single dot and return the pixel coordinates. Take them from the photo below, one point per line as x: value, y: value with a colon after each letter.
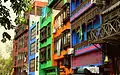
x: 43, y: 34
x: 36, y: 63
x: 32, y: 65
x: 49, y: 29
x: 32, y: 48
x: 58, y: 46
x: 25, y: 41
x: 66, y: 13
x: 33, y: 33
x: 67, y: 61
x: 66, y: 39
x: 37, y: 28
x: 19, y: 58
x: 37, y: 45
x: 43, y: 55
x: 76, y: 3
x: 49, y: 52
x: 59, y: 20
x: 21, y: 42
x: 16, y: 47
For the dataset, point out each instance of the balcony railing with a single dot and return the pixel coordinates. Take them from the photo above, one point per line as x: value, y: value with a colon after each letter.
x: 109, y: 30
x: 21, y: 29
x: 110, y: 3
x: 85, y: 18
x: 80, y: 7
x: 63, y: 16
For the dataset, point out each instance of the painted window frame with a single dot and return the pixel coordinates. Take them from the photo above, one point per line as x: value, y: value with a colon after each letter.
x: 43, y: 34
x: 43, y: 55
x: 32, y: 48
x: 49, y: 29
x: 32, y: 65
x: 33, y: 33
x: 48, y: 55
x: 37, y: 63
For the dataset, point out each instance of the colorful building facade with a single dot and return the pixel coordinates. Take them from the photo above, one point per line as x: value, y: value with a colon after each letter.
x: 61, y: 36
x: 68, y: 37
x: 85, y: 16
x: 46, y: 65
x: 34, y: 39
x: 20, y: 50
x: 108, y: 35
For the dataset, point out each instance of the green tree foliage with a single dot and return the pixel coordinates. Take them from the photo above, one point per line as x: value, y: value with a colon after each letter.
x: 18, y: 6
x: 5, y: 66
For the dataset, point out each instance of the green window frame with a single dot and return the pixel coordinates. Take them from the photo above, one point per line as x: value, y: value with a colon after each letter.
x: 48, y: 55
x: 49, y: 29
x: 43, y: 55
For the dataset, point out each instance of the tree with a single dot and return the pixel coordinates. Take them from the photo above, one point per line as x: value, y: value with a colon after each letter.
x: 5, y: 66
x: 18, y: 6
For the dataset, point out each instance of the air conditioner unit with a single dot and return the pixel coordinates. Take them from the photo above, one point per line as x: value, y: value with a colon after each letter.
x: 54, y: 31
x: 93, y: 1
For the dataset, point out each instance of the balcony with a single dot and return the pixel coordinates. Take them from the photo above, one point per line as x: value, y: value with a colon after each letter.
x: 83, y: 4
x: 107, y: 32
x: 63, y: 16
x: 84, y: 19
x: 20, y: 30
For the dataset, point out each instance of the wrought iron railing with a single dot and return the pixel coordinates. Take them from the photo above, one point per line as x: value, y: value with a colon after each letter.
x: 105, y: 31
x: 20, y: 30
x: 108, y: 30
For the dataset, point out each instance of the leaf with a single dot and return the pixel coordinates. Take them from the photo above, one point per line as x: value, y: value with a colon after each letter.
x: 6, y: 35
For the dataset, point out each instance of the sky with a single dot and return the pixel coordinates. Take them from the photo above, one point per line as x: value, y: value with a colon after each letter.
x: 3, y: 47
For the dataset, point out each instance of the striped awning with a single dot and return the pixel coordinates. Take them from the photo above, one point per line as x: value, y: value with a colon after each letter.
x: 112, y: 7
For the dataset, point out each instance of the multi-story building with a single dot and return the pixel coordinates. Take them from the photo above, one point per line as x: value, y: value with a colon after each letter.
x: 34, y: 39
x: 46, y: 63
x: 109, y: 35
x: 85, y: 16
x: 20, y: 50
x: 61, y: 36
